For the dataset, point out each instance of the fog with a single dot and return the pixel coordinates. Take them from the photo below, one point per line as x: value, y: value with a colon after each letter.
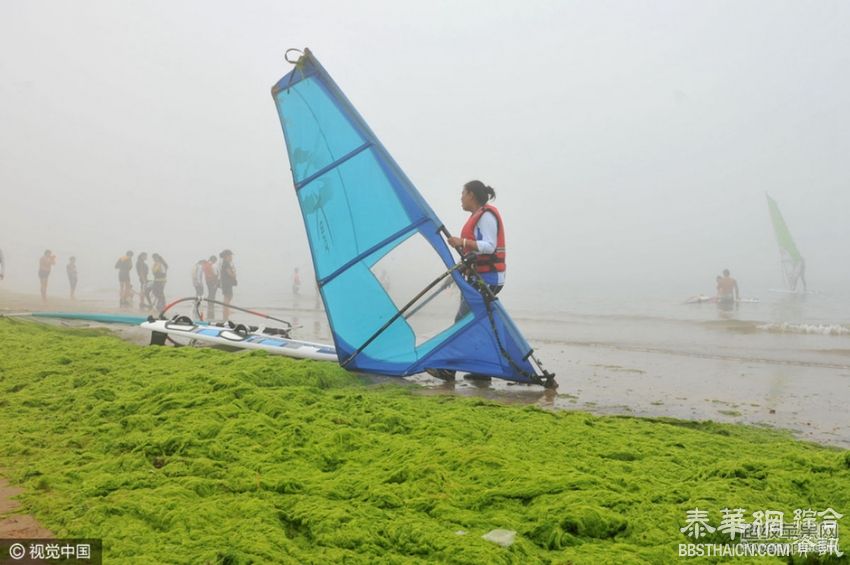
x: 629, y: 143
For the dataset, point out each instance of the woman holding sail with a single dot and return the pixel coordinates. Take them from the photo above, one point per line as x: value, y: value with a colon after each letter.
x: 483, y: 235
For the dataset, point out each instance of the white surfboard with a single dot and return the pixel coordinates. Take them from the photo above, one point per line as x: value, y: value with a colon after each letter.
x: 242, y: 338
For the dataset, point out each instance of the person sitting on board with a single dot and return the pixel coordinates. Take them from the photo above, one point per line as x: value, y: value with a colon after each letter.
x: 45, y: 264
x: 124, y: 264
x: 227, y: 276
x: 727, y: 290
x: 484, y: 236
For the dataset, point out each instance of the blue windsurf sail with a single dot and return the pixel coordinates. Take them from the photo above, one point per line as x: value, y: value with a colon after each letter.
x: 388, y: 280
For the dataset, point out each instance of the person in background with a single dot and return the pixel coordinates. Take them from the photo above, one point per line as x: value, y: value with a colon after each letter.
x: 727, y: 290
x: 296, y: 283
x: 45, y: 264
x: 142, y: 271
x: 71, y: 269
x: 160, y: 277
x: 211, y: 278
x: 124, y: 264
x: 227, y: 277
x: 198, y: 278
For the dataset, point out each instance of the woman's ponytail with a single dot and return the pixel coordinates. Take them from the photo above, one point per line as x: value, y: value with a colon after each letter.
x: 482, y: 192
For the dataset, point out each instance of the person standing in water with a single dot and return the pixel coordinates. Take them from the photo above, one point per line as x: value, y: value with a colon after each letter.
x: 124, y: 264
x: 727, y: 290
x: 227, y: 277
x: 483, y: 235
x: 160, y: 277
x: 71, y: 269
x: 45, y: 264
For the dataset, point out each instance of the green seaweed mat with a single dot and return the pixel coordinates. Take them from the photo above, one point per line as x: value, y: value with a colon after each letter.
x: 200, y: 456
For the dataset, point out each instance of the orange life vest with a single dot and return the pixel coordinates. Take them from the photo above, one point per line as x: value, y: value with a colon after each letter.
x: 486, y: 262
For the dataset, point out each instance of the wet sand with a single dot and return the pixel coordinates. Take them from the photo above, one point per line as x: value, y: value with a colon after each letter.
x: 610, y: 371
x: 17, y: 526
x: 810, y: 401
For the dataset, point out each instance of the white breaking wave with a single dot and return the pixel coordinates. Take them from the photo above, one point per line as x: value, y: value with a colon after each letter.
x: 820, y: 329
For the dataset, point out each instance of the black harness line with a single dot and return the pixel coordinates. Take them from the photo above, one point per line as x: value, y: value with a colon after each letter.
x: 547, y: 380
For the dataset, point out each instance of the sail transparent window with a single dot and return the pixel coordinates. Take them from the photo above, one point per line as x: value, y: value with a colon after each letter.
x: 405, y: 272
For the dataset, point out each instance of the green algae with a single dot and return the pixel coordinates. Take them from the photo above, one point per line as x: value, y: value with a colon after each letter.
x: 195, y: 455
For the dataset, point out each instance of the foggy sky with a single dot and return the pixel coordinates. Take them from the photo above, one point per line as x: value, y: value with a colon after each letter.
x: 626, y: 141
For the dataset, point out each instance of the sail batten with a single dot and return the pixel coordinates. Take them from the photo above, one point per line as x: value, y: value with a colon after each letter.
x: 367, y: 225
x: 301, y: 184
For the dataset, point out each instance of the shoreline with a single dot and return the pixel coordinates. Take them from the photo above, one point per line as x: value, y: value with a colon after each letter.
x: 605, y: 379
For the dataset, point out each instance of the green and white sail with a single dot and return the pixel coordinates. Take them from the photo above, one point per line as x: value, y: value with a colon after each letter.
x: 793, y: 264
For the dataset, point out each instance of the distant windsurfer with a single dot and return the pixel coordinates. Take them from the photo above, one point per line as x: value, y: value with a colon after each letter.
x: 45, y: 264
x: 800, y: 275
x: 727, y: 290
x: 483, y: 235
x: 227, y: 276
x: 124, y: 264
